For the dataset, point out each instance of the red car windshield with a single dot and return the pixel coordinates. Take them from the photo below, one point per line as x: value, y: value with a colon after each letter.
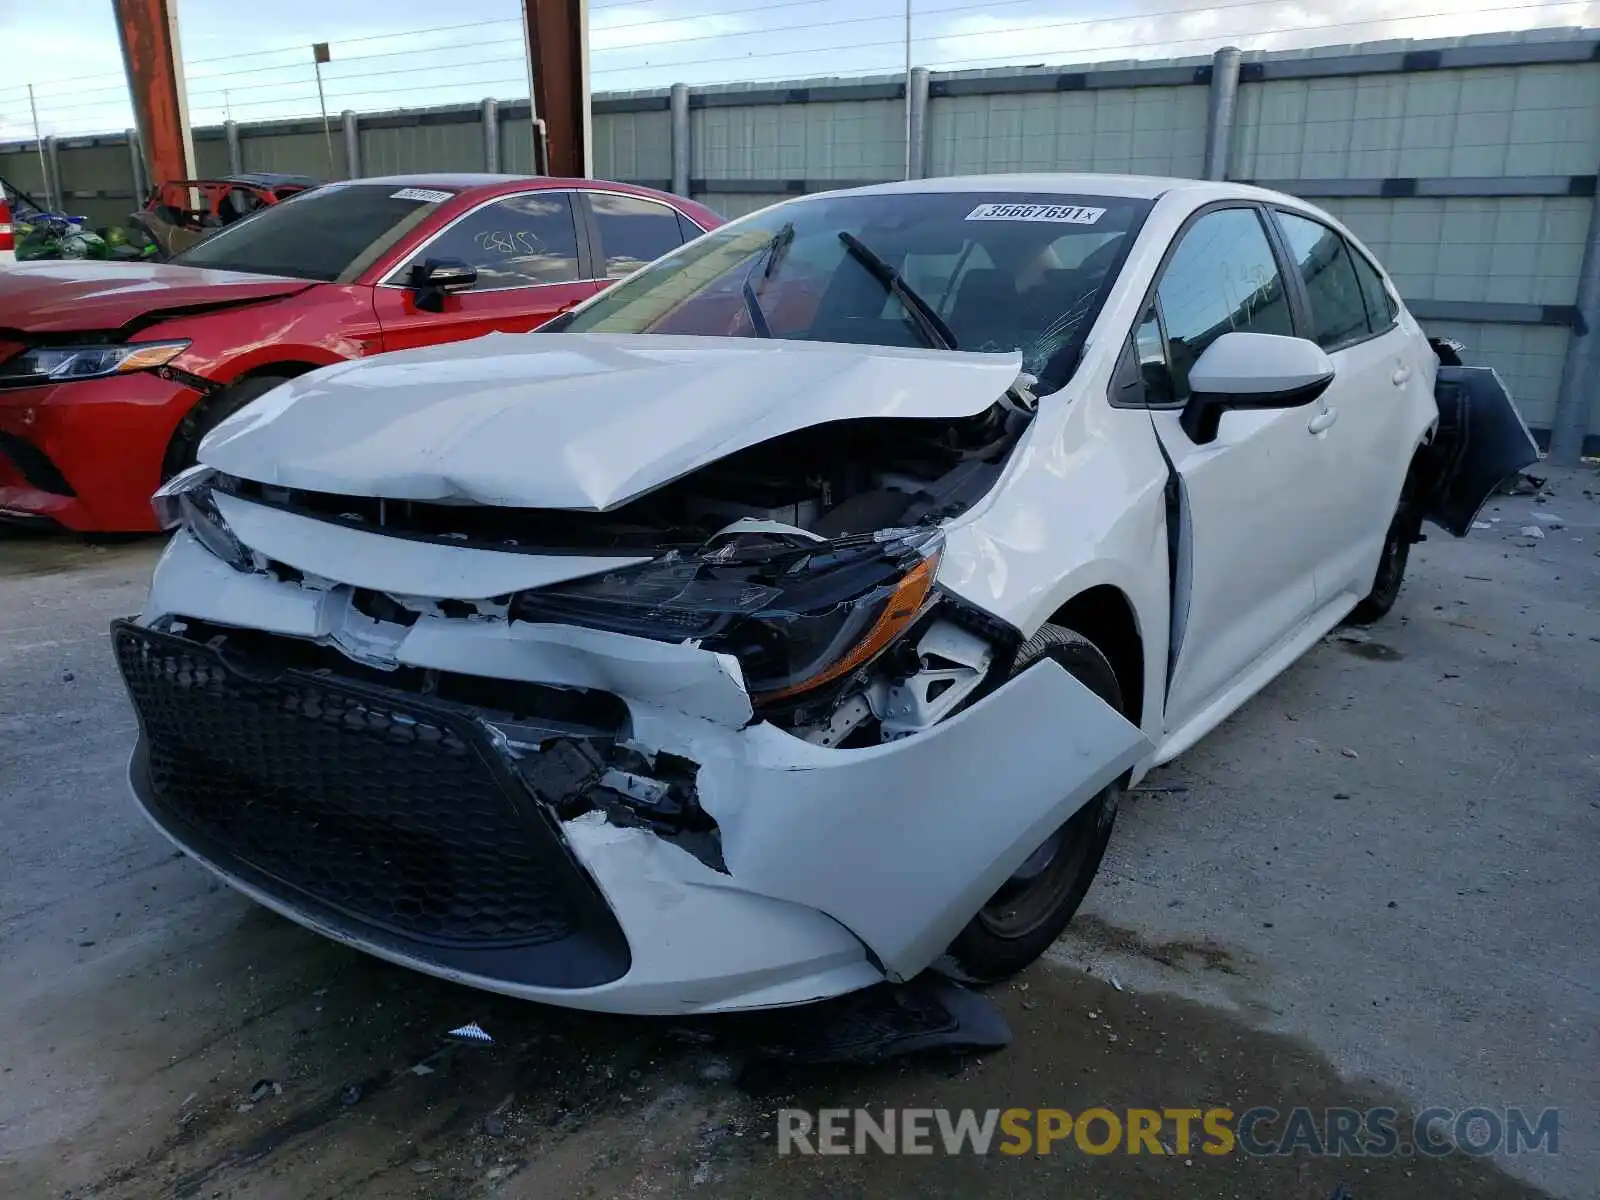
x: 330, y: 234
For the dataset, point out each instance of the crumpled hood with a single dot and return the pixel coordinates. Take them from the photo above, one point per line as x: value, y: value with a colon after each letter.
x: 64, y: 296
x: 575, y: 420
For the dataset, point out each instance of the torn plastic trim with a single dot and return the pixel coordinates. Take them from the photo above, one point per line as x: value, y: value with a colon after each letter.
x: 903, y: 841
x: 191, y: 582
x: 1481, y: 441
x: 368, y: 559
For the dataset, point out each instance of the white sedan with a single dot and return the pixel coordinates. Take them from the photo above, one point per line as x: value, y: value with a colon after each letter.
x: 791, y: 616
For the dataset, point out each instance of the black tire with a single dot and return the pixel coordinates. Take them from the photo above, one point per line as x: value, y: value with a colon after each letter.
x: 1391, y: 573
x: 207, y: 415
x: 1023, y: 918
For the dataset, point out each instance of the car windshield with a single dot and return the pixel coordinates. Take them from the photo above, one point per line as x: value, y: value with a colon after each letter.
x: 329, y: 233
x: 995, y: 271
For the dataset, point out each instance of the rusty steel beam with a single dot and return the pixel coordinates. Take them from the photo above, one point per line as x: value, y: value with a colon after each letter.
x: 148, y: 30
x: 558, y: 62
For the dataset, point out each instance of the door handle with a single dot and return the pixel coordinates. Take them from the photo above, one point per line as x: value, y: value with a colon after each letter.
x: 1323, y: 420
x: 1401, y: 376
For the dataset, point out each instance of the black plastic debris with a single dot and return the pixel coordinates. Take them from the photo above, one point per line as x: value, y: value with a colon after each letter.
x: 884, y: 1022
x: 350, y: 1095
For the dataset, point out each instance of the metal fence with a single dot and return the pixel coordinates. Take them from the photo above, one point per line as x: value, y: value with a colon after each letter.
x: 1469, y: 166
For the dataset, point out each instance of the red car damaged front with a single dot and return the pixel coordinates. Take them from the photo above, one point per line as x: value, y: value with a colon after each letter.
x: 112, y: 373
x: 90, y: 359
x: 99, y: 364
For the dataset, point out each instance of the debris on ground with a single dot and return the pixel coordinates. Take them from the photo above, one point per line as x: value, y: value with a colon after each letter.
x: 1549, y: 518
x: 1523, y: 484
x: 471, y: 1032
x: 264, y: 1088
x: 878, y: 1023
x: 1531, y: 531
x: 1482, y: 525
x: 350, y: 1094
x: 1348, y: 753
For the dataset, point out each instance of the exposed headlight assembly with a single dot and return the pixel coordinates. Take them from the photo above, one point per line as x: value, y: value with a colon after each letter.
x: 185, y: 501
x: 61, y: 364
x: 797, y: 615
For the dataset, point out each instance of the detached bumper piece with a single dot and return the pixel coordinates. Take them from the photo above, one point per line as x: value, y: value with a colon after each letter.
x: 375, y: 813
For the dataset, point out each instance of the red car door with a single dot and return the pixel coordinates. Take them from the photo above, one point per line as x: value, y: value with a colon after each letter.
x: 532, y: 262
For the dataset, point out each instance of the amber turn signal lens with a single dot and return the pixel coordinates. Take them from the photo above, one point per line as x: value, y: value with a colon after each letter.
x: 910, y: 594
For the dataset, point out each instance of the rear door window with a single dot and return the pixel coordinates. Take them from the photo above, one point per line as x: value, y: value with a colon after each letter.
x: 1382, y: 312
x: 633, y: 231
x: 519, y: 241
x: 1338, y: 309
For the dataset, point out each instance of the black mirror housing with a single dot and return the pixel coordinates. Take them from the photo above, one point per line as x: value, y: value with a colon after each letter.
x: 435, y: 278
x: 1202, y: 415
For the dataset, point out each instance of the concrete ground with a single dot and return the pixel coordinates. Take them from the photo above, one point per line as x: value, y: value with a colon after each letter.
x: 1374, y: 884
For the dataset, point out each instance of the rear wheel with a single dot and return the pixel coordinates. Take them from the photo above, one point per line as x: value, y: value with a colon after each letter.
x: 1403, y: 531
x: 1028, y: 913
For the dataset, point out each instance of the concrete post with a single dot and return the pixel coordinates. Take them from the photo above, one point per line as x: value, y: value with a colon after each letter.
x: 52, y: 176
x: 680, y: 139
x: 917, y: 126
x: 1219, y: 111
x: 230, y: 130
x: 1579, y: 382
x: 352, y: 144
x: 136, y: 167
x: 491, y: 136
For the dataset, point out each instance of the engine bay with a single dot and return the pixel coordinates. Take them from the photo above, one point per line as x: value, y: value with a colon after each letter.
x: 845, y: 477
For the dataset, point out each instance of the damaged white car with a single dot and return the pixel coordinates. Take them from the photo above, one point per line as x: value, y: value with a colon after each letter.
x: 790, y: 616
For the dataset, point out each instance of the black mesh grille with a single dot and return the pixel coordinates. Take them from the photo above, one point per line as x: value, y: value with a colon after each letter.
x: 35, y: 465
x: 361, y: 802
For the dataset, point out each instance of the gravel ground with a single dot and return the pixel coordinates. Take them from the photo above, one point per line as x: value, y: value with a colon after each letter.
x: 1373, y: 885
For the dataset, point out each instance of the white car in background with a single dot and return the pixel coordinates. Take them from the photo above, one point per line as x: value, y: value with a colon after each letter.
x: 791, y: 616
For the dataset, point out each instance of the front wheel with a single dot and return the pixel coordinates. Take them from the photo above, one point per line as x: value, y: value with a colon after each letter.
x: 1030, y: 910
x: 207, y: 415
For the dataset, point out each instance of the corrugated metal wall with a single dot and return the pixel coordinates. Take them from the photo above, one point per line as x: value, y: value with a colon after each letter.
x: 1472, y: 177
x: 1130, y: 131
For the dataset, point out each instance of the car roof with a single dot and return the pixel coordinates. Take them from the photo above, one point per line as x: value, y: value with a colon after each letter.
x: 271, y: 179
x: 476, y: 179
x: 1064, y: 183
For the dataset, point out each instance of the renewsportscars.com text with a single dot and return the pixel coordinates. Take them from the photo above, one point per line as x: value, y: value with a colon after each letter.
x: 1258, y: 1131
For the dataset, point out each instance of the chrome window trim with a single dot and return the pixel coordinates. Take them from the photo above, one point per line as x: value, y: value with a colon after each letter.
x: 388, y: 280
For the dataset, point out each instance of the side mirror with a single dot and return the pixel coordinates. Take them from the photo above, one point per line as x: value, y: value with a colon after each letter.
x: 435, y: 278
x: 1252, y: 370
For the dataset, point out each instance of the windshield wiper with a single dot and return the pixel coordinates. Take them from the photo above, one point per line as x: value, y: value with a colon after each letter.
x: 774, y: 250
x: 928, y: 322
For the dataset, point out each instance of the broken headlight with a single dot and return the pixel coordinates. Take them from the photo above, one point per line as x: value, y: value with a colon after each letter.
x: 797, y: 616
x: 185, y: 501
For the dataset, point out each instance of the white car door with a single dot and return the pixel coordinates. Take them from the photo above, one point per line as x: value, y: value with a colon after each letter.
x: 1251, y: 506
x: 1370, y: 400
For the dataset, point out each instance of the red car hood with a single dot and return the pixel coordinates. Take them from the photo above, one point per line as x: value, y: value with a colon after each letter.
x: 65, y: 296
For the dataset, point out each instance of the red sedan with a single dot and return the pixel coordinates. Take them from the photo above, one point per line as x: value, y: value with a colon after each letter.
x: 111, y: 373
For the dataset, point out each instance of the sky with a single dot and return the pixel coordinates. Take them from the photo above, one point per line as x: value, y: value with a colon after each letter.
x: 253, y: 61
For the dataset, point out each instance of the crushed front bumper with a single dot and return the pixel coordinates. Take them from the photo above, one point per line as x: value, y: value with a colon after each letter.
x: 408, y: 827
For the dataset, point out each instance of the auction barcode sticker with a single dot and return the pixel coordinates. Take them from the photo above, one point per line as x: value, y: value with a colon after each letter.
x: 427, y: 195
x: 1068, y: 214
